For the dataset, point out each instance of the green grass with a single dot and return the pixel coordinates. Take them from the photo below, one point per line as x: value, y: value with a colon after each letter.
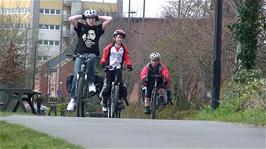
x: 15, y: 136
x: 253, y: 116
x: 12, y: 113
x: 167, y: 112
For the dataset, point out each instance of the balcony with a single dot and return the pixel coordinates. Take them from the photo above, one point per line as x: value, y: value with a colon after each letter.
x: 67, y: 2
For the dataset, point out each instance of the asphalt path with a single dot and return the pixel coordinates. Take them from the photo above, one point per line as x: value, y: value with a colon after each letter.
x: 144, y: 133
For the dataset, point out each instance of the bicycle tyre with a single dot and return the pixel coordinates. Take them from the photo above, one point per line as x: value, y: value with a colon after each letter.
x: 109, y: 109
x: 80, y: 103
x: 114, y: 100
x: 153, y: 103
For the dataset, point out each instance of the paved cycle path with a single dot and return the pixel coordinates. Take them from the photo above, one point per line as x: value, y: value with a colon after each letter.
x: 143, y: 133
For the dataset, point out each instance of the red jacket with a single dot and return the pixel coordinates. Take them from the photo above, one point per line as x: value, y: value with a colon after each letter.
x: 106, y: 54
x: 162, y: 69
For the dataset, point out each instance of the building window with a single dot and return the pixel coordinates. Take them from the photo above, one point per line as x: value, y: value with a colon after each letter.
x: 46, y: 11
x: 45, y: 42
x: 52, y: 11
x: 56, y: 43
x: 57, y: 27
x: 57, y: 11
x: 42, y: 57
x: 41, y: 11
x: 51, y: 26
x: 51, y: 42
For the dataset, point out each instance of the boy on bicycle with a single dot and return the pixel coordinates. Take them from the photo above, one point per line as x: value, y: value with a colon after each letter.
x: 113, y: 57
x: 87, y: 46
x: 155, y: 68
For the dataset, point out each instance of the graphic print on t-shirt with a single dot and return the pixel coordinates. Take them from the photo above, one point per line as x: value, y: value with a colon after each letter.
x: 89, y: 38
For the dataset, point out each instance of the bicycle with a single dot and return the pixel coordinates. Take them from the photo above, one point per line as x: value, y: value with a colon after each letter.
x: 154, y: 103
x: 81, y: 86
x: 114, y: 103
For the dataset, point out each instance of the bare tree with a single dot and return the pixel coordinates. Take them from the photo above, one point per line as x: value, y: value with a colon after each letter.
x: 190, y: 44
x: 14, y: 32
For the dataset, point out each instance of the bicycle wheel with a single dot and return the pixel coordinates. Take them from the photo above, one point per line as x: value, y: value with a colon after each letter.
x: 79, y: 94
x: 114, y: 100
x: 153, y: 103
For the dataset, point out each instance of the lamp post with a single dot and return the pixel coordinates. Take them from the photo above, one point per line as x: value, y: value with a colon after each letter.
x: 34, y: 65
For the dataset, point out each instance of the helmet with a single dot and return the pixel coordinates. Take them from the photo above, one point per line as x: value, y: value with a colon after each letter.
x: 155, y: 56
x: 119, y: 32
x: 90, y: 13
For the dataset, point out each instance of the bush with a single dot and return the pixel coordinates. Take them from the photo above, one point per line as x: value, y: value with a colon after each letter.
x: 247, y: 90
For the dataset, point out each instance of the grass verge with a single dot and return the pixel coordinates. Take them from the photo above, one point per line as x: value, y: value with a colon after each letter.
x: 15, y: 136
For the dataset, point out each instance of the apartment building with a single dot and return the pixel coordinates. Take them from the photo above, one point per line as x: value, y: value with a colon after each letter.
x: 50, y: 33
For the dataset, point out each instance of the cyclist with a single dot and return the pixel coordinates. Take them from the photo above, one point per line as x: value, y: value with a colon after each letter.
x: 88, y: 46
x: 154, y: 67
x: 113, y: 57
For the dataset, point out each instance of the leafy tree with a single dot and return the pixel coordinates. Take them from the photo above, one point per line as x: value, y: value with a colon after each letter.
x: 246, y: 30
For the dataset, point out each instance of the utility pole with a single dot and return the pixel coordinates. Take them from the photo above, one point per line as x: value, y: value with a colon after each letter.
x: 179, y: 8
x: 217, y: 55
x: 143, y: 17
x: 60, y: 51
x: 128, y: 20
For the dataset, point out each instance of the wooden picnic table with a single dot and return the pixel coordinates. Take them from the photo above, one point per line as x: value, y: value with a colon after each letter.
x: 19, y: 95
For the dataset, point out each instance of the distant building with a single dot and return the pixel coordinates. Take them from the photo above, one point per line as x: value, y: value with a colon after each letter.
x: 50, y: 32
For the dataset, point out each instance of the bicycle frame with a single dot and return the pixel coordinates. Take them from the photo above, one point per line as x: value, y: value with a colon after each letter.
x: 81, y: 85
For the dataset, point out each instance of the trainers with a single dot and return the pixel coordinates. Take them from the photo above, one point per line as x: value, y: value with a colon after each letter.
x: 71, y: 105
x: 147, y: 110
x: 92, y: 88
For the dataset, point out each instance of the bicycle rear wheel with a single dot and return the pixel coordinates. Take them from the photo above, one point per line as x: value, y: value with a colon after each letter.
x: 154, y: 103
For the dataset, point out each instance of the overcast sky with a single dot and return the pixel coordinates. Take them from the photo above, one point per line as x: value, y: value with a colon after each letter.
x: 153, y: 7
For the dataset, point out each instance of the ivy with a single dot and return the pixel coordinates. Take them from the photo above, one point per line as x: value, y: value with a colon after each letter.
x: 246, y: 30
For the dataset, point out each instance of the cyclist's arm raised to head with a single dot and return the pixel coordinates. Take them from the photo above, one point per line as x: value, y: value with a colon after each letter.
x: 106, y: 21
x: 74, y: 20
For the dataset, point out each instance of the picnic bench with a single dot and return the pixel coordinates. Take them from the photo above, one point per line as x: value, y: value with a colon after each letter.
x: 19, y: 95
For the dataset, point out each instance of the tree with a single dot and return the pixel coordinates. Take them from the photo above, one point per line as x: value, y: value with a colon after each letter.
x: 10, y: 69
x: 14, y: 28
x: 246, y: 31
x: 190, y: 44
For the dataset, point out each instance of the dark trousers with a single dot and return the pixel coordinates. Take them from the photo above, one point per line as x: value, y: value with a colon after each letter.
x: 109, y: 78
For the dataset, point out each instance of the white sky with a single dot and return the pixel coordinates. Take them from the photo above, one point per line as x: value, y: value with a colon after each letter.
x: 153, y: 7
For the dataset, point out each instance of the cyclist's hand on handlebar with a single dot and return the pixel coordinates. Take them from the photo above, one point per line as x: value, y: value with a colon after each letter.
x: 129, y: 67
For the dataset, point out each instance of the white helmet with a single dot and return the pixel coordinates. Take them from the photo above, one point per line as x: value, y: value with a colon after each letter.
x: 155, y: 56
x: 90, y: 13
x: 119, y: 32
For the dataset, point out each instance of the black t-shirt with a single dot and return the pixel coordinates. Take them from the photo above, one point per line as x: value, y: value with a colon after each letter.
x: 88, y: 38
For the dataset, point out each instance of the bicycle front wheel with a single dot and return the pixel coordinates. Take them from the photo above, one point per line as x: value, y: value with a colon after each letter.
x: 79, y: 94
x: 114, y: 99
x: 154, y: 103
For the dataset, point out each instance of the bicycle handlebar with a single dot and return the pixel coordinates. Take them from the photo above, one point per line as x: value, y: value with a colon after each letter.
x: 114, y: 68
x: 79, y: 55
x: 155, y: 76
